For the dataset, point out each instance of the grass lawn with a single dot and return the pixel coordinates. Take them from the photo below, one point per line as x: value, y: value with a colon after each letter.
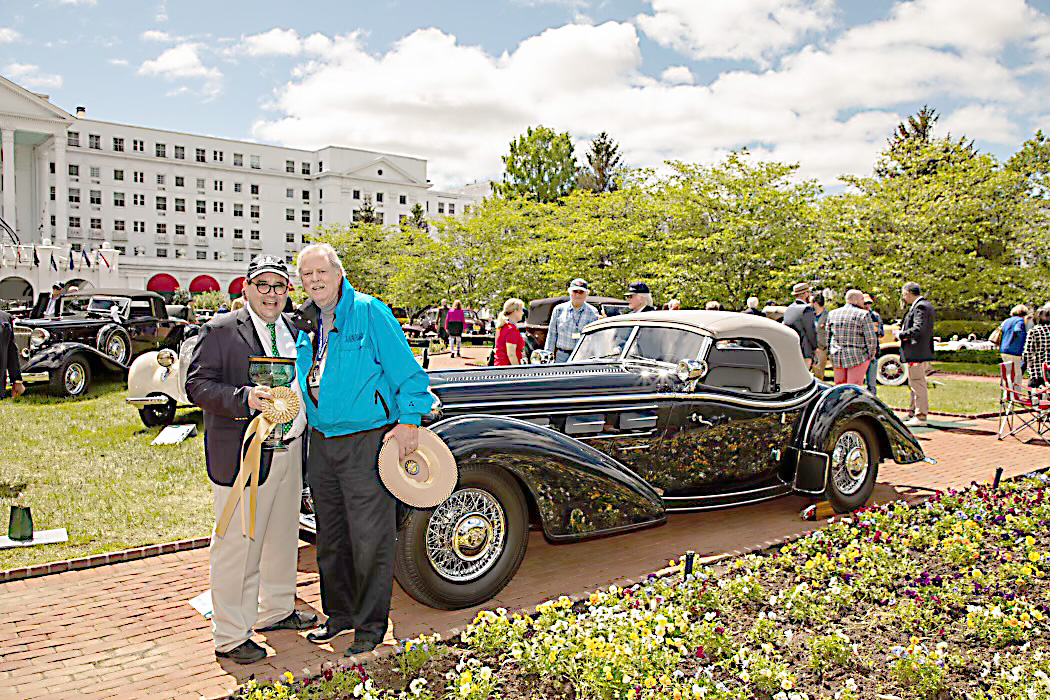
x: 949, y: 396
x: 967, y: 368
x: 87, y: 465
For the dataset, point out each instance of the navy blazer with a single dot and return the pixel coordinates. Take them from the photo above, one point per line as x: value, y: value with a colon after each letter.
x: 916, y: 333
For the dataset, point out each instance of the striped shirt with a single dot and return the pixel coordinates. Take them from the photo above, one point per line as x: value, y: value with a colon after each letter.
x: 1037, y: 350
x: 566, y: 325
x: 851, y: 336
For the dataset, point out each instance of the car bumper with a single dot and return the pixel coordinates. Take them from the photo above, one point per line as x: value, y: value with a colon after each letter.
x: 148, y: 400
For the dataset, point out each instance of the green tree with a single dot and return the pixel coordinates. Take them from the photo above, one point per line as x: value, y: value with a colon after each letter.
x: 418, y: 217
x: 603, y: 159
x: 367, y: 213
x: 541, y: 165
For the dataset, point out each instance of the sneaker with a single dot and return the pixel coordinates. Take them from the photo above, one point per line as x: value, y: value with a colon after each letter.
x: 327, y: 632
x: 247, y: 653
x: 915, y: 422
x: 295, y: 621
x: 360, y: 646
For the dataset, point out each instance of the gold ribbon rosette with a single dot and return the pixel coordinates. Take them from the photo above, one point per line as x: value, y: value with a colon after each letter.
x: 283, y: 408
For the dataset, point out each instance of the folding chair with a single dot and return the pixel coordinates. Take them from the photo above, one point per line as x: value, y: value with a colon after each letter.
x: 1020, y: 407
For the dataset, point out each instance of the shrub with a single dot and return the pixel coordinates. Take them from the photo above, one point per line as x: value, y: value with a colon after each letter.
x: 983, y: 357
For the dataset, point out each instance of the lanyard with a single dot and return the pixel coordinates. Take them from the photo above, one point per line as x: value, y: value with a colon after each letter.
x: 322, y: 342
x: 577, y: 317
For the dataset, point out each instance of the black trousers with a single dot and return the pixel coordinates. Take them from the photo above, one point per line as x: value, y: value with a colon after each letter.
x: 356, y: 530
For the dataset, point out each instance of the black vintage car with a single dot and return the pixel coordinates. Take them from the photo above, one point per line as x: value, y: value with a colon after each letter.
x: 94, y: 330
x: 655, y: 413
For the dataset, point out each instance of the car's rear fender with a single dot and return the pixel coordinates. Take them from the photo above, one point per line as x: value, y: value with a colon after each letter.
x: 847, y: 401
x: 52, y: 357
x: 576, y: 490
x: 146, y: 377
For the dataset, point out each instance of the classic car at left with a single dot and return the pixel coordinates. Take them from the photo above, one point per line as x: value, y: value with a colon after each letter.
x: 94, y: 330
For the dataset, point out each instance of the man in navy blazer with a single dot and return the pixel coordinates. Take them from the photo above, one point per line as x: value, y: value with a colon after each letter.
x: 9, y: 358
x: 916, y: 336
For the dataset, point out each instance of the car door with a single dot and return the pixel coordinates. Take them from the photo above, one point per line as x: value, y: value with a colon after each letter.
x: 143, y: 324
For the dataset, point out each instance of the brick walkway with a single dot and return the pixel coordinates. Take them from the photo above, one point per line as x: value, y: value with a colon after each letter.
x: 126, y: 630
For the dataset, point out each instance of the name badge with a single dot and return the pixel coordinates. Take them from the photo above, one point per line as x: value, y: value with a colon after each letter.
x: 313, y: 379
x: 576, y: 335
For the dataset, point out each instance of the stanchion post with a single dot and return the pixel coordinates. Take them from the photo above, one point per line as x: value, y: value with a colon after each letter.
x: 998, y: 476
x: 690, y: 556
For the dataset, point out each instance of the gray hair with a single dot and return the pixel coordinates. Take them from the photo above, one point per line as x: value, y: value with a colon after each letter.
x: 752, y: 302
x: 912, y: 288
x: 329, y: 252
x: 855, y: 297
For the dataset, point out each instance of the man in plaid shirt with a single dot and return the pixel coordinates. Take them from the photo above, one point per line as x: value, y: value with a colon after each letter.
x: 852, y: 341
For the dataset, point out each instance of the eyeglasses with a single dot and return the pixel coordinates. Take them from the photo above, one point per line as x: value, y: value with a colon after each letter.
x: 279, y: 288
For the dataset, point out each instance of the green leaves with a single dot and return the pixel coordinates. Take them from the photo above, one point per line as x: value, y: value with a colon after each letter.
x: 541, y: 166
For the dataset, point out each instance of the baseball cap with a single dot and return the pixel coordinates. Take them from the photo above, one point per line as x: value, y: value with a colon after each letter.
x: 57, y: 285
x: 637, y: 288
x: 579, y: 284
x: 267, y: 263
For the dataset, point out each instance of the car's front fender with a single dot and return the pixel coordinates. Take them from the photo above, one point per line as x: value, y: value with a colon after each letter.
x: 52, y: 357
x: 147, y: 377
x: 578, y: 491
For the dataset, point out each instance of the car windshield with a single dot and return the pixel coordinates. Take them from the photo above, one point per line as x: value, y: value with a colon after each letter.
x: 602, y: 344
x: 93, y: 306
x: 667, y: 345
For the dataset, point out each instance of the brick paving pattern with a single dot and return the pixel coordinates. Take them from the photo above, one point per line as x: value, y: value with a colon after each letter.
x: 126, y: 630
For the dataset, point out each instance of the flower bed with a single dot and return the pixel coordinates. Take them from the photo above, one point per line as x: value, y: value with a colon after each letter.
x: 947, y: 599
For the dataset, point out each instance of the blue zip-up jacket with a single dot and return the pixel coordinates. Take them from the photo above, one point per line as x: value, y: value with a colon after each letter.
x: 1014, y: 334
x: 371, y: 378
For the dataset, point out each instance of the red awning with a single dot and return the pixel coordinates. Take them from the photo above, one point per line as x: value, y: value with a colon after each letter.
x: 237, y: 286
x: 162, y: 283
x: 204, y: 283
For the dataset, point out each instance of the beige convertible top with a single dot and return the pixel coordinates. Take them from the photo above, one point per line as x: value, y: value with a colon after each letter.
x: 730, y: 324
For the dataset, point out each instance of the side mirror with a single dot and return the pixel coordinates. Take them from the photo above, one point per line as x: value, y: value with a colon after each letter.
x: 689, y: 370
x: 541, y: 357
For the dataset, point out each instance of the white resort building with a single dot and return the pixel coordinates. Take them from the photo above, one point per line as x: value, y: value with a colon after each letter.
x: 114, y: 205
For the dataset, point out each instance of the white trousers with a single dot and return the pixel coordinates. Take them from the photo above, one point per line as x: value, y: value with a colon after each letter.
x: 253, y: 581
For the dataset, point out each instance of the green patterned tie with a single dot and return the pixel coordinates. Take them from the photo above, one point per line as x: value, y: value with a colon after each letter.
x: 276, y: 353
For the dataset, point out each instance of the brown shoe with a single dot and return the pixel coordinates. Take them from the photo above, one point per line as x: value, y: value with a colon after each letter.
x: 247, y: 653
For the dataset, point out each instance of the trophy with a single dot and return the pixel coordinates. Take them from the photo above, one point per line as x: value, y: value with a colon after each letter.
x: 272, y: 372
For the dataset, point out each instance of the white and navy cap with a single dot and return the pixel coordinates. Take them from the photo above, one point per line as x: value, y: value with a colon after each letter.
x: 267, y: 263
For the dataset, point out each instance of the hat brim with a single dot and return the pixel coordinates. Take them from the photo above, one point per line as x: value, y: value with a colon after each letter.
x: 578, y: 289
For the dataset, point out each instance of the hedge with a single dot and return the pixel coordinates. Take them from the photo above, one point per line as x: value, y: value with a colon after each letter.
x: 982, y: 329
x: 983, y: 357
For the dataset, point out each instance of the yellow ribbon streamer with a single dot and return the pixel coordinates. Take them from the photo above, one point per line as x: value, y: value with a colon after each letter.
x: 283, y: 408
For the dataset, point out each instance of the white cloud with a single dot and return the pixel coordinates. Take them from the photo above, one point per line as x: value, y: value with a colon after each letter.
x: 8, y: 35
x: 90, y: 3
x: 738, y: 29
x: 990, y: 123
x: 117, y: 61
x: 161, y: 14
x: 276, y: 42
x: 155, y: 35
x: 678, y: 75
x: 183, y: 61
x: 29, y: 75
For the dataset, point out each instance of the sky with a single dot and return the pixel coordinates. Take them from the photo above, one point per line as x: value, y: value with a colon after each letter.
x: 821, y: 83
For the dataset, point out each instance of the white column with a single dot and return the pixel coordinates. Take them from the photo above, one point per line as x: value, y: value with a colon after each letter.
x: 42, y: 219
x: 7, y: 145
x: 61, y: 189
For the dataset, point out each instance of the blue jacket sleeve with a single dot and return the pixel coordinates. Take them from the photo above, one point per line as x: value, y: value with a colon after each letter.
x: 409, y: 381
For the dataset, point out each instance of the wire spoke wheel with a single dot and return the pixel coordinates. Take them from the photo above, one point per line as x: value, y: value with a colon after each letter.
x: 466, y: 535
x: 850, y: 462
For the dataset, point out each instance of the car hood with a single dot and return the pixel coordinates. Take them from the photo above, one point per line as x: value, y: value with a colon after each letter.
x: 538, y: 382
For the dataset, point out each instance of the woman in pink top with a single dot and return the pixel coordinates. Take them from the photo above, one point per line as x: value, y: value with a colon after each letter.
x: 454, y: 320
x: 509, y: 343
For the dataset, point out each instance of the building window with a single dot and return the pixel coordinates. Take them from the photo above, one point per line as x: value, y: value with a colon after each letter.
x: 217, y: 185
x: 161, y: 150
x: 162, y: 203
x: 320, y: 194
x: 52, y: 169
x: 121, y: 250
x: 306, y: 195
x: 202, y: 207
x: 118, y: 174
x: 238, y: 159
x: 238, y: 210
x: 138, y: 145
x: 441, y: 207
x: 402, y: 199
x: 289, y: 238
x: 139, y: 226
x: 237, y: 187
x: 162, y: 228
x: 160, y: 179
x: 180, y: 153
x: 180, y: 229
x: 379, y: 197
x: 74, y: 170
x: 238, y: 256
x: 216, y: 231
x: 200, y: 156
x: 95, y: 171
x: 306, y: 216
x: 379, y: 218
x: 357, y: 194
x: 320, y: 166
x: 254, y: 160
x: 451, y: 208
x: 95, y: 141
x: 255, y: 190
x: 238, y: 233
x: 180, y: 204
x: 75, y: 247
x: 216, y: 156
x: 74, y: 222
x: 255, y: 211
x: 73, y: 138
x: 320, y: 216
x: 118, y: 144
x: 200, y: 183
x: 139, y: 176
x: 74, y: 195
x: 289, y: 214
x: 305, y: 239
x: 202, y: 255
x: 202, y: 231
x: 96, y: 197
x: 180, y: 181
x: 139, y: 200
x: 216, y: 207
x: 216, y: 255
x: 52, y: 194
x: 118, y: 224
x: 306, y: 168
x: 162, y: 252
x: 254, y: 235
x: 289, y: 193
x: 289, y: 166
x: 96, y: 224
x: 118, y: 199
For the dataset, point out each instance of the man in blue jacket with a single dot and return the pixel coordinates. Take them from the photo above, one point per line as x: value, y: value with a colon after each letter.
x: 362, y: 387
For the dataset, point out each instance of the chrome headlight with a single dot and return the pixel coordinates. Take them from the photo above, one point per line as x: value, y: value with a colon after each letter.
x: 541, y: 357
x: 688, y: 370
x: 38, y: 337
x: 166, y: 357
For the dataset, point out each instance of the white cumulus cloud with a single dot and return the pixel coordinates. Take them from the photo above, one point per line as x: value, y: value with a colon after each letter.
x: 155, y: 35
x: 276, y: 42
x: 182, y: 62
x: 29, y: 75
x: 8, y: 35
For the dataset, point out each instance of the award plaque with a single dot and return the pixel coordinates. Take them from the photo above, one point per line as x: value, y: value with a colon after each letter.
x: 272, y: 372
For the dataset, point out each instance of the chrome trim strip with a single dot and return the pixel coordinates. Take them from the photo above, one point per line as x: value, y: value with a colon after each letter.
x: 148, y: 401
x: 28, y: 377
x: 729, y: 504
x: 812, y: 415
x: 721, y: 496
x: 607, y: 436
x: 558, y: 413
x: 827, y: 472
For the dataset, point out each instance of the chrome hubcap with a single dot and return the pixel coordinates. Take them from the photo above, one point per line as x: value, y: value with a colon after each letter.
x: 892, y: 370
x: 849, y: 462
x: 466, y: 535
x: 115, y: 348
x: 75, y: 378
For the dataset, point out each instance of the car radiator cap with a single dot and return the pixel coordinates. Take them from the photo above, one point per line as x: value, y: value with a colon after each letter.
x: 423, y: 479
